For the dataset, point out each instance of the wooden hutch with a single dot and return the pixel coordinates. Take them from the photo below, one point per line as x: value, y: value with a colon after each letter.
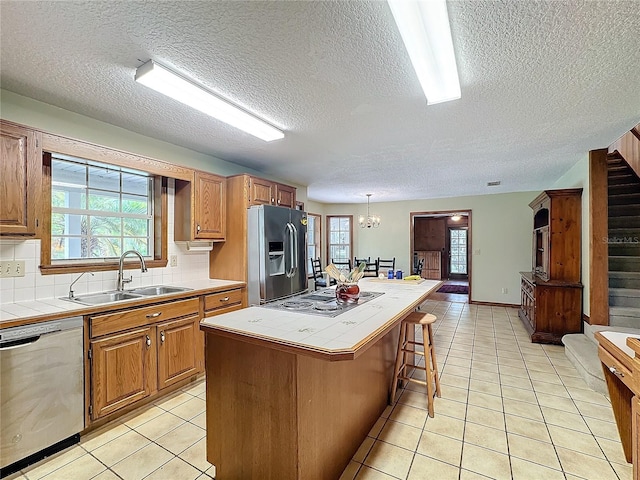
x: 551, y: 294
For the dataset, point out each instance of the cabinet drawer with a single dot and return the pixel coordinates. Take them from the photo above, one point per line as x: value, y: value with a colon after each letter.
x: 136, y: 317
x: 620, y: 371
x: 222, y: 302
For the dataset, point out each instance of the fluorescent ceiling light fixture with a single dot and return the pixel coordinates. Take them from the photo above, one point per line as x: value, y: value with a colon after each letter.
x: 424, y: 27
x: 186, y: 91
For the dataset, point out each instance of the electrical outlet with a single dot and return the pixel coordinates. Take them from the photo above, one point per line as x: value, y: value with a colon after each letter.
x: 173, y: 260
x: 505, y: 290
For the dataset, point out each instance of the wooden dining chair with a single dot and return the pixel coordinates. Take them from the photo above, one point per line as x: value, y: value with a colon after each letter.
x: 371, y: 269
x: 385, y: 265
x: 357, y: 261
x: 319, y: 280
x: 342, y: 264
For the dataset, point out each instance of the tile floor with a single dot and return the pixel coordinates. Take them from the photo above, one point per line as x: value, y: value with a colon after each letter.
x: 509, y: 409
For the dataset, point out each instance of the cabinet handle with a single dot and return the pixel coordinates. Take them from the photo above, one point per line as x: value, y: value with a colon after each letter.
x: 198, y: 228
x: 153, y: 315
x: 225, y: 299
x: 148, y: 341
x: 161, y: 337
x: 616, y: 372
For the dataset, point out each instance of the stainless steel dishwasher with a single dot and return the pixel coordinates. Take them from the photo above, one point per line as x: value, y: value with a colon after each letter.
x: 41, y: 390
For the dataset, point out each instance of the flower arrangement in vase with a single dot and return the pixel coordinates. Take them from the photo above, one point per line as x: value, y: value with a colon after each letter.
x: 347, y: 289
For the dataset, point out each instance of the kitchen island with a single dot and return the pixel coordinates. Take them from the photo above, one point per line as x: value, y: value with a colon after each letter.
x: 293, y: 395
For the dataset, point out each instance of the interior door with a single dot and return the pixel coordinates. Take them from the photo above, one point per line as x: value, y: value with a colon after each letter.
x: 458, y: 253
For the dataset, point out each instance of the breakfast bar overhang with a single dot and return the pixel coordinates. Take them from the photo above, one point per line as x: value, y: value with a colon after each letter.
x: 292, y: 395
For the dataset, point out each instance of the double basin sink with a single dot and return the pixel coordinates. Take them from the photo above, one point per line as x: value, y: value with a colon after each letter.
x: 119, y: 296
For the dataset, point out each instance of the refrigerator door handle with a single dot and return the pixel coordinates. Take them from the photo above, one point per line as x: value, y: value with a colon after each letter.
x: 294, y: 250
x: 289, y: 250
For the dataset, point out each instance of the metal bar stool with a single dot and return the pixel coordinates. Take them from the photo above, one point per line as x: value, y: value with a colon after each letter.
x: 425, y: 320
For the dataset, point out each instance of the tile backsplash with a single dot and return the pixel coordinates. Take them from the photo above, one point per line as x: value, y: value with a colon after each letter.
x: 33, y: 286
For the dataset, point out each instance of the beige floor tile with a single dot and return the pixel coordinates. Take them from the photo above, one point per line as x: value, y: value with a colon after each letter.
x: 519, y: 394
x: 624, y: 472
x: 454, y: 393
x: 602, y: 429
x: 389, y: 459
x: 106, y: 475
x: 400, y: 435
x: 522, y: 409
x: 351, y: 471
x: 54, y: 462
x: 523, y: 470
x: 200, y: 420
x: 181, y: 438
x: 455, y: 370
x: 190, y: 408
x: 513, y: 371
x: 484, y: 387
x: 450, y: 408
x: 409, y: 415
x: 485, y: 367
x: 575, y: 382
x: 120, y: 448
x: 486, y: 437
x: 425, y: 467
x: 567, y: 372
x: 459, y: 362
x: 443, y: 425
x: 545, y: 377
x: 612, y: 450
x: 160, y: 426
x: 588, y: 396
x: 573, y: 421
x: 175, y: 469
x: 485, y: 416
x: 592, y: 410
x: 196, y: 388
x: 550, y: 389
x: 196, y: 455
x: 468, y: 475
x: 527, y: 428
x: 138, y: 417
x: 559, y: 403
x: 377, y: 427
x: 486, y: 462
x: 540, y: 367
x: 484, y: 400
x: 485, y: 376
x: 572, y: 440
x: 387, y: 411
x: 367, y: 473
x: 441, y: 448
x: 483, y: 357
x: 517, y: 382
x: 454, y: 381
x: 585, y: 466
x: 143, y: 462
x: 83, y: 467
x: 532, y: 450
x: 171, y: 401
x: 363, y: 450
x: 510, y: 362
x: 103, y: 435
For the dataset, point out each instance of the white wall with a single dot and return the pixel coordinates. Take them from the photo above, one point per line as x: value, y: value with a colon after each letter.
x: 578, y: 177
x: 501, y: 237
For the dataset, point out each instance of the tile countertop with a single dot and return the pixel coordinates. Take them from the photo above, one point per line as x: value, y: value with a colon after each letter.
x: 22, y: 313
x: 343, y: 337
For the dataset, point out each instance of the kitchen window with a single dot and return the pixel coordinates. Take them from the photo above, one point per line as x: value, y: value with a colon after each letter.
x: 339, y: 237
x: 99, y: 211
x: 313, y: 240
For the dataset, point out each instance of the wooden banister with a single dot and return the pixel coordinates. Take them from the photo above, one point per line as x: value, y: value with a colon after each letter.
x: 628, y: 147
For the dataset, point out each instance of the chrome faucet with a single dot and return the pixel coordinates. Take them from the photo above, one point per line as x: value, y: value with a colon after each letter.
x: 121, y: 279
x: 71, y: 296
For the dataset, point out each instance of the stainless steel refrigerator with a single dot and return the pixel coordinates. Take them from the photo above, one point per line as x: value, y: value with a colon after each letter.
x: 277, y: 265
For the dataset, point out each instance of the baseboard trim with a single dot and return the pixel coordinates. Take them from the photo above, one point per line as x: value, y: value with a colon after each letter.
x: 494, y: 304
x: 585, y: 318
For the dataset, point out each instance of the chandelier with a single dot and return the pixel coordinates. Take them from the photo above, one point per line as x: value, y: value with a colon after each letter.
x: 370, y: 220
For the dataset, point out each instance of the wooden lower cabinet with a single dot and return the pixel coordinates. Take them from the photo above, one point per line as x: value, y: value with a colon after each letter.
x: 635, y: 434
x: 178, y: 358
x: 123, y: 370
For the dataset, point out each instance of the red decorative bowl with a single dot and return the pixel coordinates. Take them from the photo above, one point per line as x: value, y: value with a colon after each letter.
x: 347, y: 292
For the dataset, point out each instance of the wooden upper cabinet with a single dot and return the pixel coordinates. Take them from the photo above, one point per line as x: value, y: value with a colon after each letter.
x: 21, y: 173
x: 261, y: 191
x: 266, y: 192
x: 285, y: 196
x: 200, y: 208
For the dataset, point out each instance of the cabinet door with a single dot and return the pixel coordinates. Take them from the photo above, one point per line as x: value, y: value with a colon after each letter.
x: 21, y: 173
x: 210, y: 207
x: 285, y: 196
x: 261, y: 191
x: 123, y: 370
x: 178, y: 356
x: 635, y: 436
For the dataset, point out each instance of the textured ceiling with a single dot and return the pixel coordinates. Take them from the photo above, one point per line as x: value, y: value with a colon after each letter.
x: 543, y: 82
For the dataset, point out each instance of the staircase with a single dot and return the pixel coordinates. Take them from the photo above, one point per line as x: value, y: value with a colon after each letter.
x: 624, y: 244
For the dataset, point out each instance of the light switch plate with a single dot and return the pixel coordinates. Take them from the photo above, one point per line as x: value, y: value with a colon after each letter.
x: 12, y: 268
